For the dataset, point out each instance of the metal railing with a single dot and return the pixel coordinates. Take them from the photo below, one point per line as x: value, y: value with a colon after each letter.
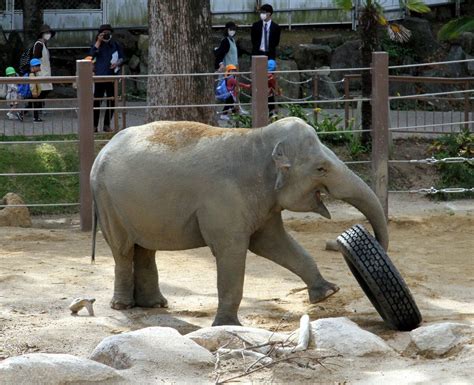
x: 83, y: 104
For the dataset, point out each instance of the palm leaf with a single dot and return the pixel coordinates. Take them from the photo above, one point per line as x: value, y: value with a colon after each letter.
x: 344, y: 4
x: 454, y: 28
x: 416, y: 6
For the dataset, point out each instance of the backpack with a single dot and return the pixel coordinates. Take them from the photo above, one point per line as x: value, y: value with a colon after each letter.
x: 25, y: 58
x: 221, y: 92
x: 24, y: 89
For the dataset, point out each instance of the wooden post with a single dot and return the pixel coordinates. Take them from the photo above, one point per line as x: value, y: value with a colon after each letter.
x: 380, y: 133
x: 116, y: 99
x: 85, y: 98
x: 346, y: 104
x: 259, y: 91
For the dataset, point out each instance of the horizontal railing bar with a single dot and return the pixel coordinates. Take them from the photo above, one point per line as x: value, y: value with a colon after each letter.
x: 39, y: 173
x: 42, y: 205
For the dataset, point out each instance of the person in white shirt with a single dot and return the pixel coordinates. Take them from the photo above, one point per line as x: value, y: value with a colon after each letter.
x: 265, y: 33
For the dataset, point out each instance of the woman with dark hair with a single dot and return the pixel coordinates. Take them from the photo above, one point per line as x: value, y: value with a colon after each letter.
x: 228, y: 51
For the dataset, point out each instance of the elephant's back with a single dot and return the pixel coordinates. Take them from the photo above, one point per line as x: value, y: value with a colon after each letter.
x: 167, y: 137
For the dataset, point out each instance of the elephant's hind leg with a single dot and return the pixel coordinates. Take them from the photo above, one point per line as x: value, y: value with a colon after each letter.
x: 147, y: 290
x: 274, y: 243
x: 123, y: 283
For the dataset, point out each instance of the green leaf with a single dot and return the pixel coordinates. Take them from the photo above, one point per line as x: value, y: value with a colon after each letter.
x: 454, y: 28
x: 417, y: 6
x: 344, y: 4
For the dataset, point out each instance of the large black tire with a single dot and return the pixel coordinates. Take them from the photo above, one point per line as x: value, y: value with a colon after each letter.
x: 378, y: 277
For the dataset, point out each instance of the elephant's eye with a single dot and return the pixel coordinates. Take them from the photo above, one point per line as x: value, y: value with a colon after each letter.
x: 321, y: 169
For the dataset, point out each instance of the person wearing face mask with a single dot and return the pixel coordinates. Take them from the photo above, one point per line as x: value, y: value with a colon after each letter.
x: 265, y: 33
x: 41, y: 52
x: 228, y: 51
x: 108, y: 56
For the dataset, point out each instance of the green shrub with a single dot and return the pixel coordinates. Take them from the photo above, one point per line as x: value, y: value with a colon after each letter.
x: 455, y: 174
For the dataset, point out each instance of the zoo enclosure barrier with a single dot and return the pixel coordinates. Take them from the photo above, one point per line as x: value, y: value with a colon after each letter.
x: 259, y: 105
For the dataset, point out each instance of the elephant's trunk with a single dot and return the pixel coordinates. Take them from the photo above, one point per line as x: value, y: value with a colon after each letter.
x: 358, y: 194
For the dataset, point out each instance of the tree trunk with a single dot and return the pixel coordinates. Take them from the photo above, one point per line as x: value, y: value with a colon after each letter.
x: 368, y: 29
x: 180, y: 43
x: 32, y: 21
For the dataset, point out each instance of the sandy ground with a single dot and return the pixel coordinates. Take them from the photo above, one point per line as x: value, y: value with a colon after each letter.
x: 43, y: 268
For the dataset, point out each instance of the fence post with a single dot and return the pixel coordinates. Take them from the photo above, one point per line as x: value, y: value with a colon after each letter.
x: 85, y: 98
x: 380, y: 133
x: 259, y: 91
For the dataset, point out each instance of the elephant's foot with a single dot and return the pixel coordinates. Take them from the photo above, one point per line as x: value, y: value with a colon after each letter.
x: 120, y: 305
x: 321, y: 292
x: 158, y: 300
x: 226, y: 320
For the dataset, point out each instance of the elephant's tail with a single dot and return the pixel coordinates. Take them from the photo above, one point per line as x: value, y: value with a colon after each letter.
x: 94, y: 231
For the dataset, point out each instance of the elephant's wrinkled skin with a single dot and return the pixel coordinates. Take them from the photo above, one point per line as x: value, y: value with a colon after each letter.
x: 182, y: 185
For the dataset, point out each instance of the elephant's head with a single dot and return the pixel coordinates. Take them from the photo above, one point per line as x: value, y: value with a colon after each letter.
x: 306, y: 168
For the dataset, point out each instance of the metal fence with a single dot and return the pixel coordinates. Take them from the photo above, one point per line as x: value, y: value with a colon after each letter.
x: 81, y: 110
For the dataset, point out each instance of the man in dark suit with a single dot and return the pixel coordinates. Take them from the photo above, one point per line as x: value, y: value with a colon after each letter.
x: 265, y: 33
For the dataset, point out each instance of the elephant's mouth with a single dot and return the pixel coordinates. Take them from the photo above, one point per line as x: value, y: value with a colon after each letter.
x: 320, y: 208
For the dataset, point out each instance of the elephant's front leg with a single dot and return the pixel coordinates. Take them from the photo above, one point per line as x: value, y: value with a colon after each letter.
x: 274, y: 243
x: 147, y: 290
x: 230, y: 283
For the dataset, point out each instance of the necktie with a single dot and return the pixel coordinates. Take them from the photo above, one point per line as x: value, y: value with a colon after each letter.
x: 265, y: 37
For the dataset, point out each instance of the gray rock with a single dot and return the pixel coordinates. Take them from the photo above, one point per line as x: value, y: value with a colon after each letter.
x: 466, y: 40
x: 128, y: 40
x: 287, y: 81
x: 456, y: 69
x: 442, y: 338
x: 212, y: 338
x: 143, y: 41
x: 310, y: 56
x: 155, y: 354
x: 470, y: 65
x: 346, y: 56
x: 422, y: 40
x: 327, y: 88
x: 56, y: 369
x: 134, y: 63
x: 341, y: 335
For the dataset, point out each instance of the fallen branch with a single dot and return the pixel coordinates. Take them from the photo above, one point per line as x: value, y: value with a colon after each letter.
x: 274, y: 362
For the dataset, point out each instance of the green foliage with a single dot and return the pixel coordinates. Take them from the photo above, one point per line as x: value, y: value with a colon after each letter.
x: 396, y: 51
x: 415, y: 5
x: 41, y: 158
x: 454, y: 28
x: 455, y: 174
x: 242, y: 121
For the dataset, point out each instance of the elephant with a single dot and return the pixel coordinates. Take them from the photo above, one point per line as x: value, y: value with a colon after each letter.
x: 181, y: 185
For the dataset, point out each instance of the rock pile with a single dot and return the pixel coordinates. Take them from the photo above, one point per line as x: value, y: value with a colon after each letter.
x: 14, y: 216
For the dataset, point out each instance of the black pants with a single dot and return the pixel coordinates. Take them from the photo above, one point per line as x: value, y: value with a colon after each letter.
x: 229, y: 104
x: 37, y: 106
x: 271, y: 107
x: 102, y: 89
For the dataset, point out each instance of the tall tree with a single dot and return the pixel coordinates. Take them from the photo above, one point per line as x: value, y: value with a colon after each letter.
x: 371, y: 17
x: 179, y: 33
x: 32, y: 20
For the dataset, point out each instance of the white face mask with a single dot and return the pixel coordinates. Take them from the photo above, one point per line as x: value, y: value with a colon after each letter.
x: 231, y: 33
x: 263, y: 16
x: 46, y: 36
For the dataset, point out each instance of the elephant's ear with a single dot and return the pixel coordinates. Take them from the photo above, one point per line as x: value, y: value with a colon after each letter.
x: 282, y: 164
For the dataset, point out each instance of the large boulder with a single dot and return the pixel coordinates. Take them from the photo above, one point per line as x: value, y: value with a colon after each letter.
x: 142, y: 45
x: 213, y: 338
x: 422, y: 40
x: 14, y: 216
x: 155, y: 354
x: 456, y: 69
x: 341, y: 335
x: 333, y: 40
x: 128, y: 40
x: 56, y: 369
x: 289, y: 82
x: 470, y: 65
x: 310, y: 56
x: 466, y: 41
x: 346, y: 56
x: 441, y: 339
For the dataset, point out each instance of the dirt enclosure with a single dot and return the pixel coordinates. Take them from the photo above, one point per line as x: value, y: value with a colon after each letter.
x: 43, y: 268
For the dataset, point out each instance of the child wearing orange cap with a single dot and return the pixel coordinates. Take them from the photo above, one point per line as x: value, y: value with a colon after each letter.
x: 232, y: 87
